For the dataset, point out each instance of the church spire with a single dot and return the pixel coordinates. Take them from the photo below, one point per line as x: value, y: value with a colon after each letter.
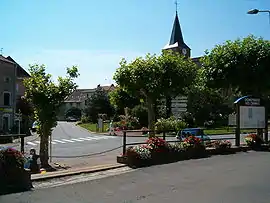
x: 176, y: 42
x: 176, y: 35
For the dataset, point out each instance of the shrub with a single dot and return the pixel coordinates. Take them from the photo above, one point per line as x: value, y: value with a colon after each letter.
x: 176, y: 147
x: 192, y: 142
x: 127, y: 123
x: 139, y: 152
x: 11, y: 158
x: 141, y: 113
x: 156, y: 143
x: 253, y: 139
x: 170, y: 124
x: 222, y: 144
x: 84, y: 119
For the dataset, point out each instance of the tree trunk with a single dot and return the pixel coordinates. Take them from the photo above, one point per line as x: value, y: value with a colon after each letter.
x: 151, y: 116
x: 168, y: 106
x: 44, y: 148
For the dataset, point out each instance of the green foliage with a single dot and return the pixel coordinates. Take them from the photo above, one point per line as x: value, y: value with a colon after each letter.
x: 209, y: 105
x: 46, y: 97
x: 140, y: 112
x: 74, y: 112
x: 24, y: 107
x: 127, y: 122
x: 242, y: 64
x: 98, y: 103
x: 121, y: 99
x: 84, y: 119
x: 155, y: 76
x: 170, y: 124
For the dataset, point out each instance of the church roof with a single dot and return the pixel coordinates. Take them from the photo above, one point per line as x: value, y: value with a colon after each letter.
x: 176, y: 35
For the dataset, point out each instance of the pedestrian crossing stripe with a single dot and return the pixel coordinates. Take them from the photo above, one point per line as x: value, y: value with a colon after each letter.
x: 64, y: 141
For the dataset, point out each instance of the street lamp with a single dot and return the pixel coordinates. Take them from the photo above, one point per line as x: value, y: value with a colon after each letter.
x: 256, y: 11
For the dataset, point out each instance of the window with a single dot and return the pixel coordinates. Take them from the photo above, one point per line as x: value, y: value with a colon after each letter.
x: 7, y: 99
x: 17, y: 87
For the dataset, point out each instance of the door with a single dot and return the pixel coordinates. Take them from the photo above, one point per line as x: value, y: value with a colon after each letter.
x: 5, y: 123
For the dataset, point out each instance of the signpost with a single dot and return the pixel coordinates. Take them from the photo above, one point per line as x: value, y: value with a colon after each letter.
x: 250, y: 114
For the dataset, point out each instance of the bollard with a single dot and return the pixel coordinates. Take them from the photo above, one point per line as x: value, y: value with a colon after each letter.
x: 124, y: 142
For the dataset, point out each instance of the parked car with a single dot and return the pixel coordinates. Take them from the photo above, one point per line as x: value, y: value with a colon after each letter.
x: 197, y: 132
x: 34, y: 126
x: 72, y: 119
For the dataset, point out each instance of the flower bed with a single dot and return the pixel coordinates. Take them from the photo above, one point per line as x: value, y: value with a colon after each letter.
x: 254, y: 141
x: 13, y: 176
x: 222, y: 147
x: 158, y: 151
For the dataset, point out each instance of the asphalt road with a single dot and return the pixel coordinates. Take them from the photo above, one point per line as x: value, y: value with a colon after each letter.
x: 72, y: 144
x: 241, y: 178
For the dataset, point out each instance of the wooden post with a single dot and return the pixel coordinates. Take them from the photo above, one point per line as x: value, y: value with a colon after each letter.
x: 266, y: 124
x: 124, y: 142
x: 22, y: 143
x: 164, y: 135
x: 237, y: 129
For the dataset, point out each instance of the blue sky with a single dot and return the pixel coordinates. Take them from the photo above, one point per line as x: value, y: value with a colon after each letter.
x: 95, y: 35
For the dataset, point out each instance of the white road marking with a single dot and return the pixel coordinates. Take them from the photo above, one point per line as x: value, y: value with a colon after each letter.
x: 86, y: 138
x: 104, y: 137
x: 54, y: 142
x: 31, y: 143
x: 67, y: 140
x: 94, y: 138
x: 59, y: 141
x: 38, y: 142
x: 77, y: 140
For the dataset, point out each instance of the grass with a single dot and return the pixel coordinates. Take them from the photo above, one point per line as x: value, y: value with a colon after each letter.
x: 225, y: 130
x: 93, y: 127
x: 215, y: 131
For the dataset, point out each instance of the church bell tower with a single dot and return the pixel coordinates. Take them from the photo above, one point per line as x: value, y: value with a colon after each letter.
x: 176, y: 42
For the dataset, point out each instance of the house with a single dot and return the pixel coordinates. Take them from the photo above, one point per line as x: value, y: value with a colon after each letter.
x: 78, y: 99
x: 11, y: 88
x: 177, y: 44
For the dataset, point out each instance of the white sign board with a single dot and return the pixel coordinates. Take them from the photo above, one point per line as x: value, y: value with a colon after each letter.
x: 100, y: 122
x: 232, y: 120
x: 252, y: 117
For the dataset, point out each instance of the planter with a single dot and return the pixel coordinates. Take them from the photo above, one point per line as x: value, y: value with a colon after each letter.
x: 121, y: 159
x: 223, y: 151
x: 15, y: 180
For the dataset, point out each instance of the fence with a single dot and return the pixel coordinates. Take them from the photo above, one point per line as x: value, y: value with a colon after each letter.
x: 21, y: 136
x: 125, y: 144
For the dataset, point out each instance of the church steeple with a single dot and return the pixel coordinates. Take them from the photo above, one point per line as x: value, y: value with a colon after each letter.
x: 176, y: 42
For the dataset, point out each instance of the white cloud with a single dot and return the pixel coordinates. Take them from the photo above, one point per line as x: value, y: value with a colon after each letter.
x: 95, y: 67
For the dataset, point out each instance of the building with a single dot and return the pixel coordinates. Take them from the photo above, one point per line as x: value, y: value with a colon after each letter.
x: 11, y: 88
x: 78, y: 99
x: 177, y: 44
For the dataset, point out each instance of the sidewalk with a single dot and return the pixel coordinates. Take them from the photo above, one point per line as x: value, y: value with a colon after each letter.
x: 74, y: 166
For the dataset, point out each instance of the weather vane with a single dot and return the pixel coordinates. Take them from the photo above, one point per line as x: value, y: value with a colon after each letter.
x: 176, y: 5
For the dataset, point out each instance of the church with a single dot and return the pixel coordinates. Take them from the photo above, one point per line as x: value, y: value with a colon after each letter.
x: 177, y: 44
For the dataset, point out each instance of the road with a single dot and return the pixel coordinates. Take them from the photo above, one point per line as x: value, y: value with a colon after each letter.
x: 241, y: 178
x: 70, y: 143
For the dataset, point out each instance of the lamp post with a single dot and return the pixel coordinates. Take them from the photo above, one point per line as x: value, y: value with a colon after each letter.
x: 256, y: 11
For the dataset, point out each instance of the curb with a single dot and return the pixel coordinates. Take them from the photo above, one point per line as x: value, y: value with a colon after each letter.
x: 60, y: 174
x: 97, y: 133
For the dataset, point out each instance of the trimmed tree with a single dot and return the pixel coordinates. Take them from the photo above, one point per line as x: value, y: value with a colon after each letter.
x: 98, y: 103
x: 154, y: 77
x: 242, y: 65
x: 121, y: 99
x: 46, y: 97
